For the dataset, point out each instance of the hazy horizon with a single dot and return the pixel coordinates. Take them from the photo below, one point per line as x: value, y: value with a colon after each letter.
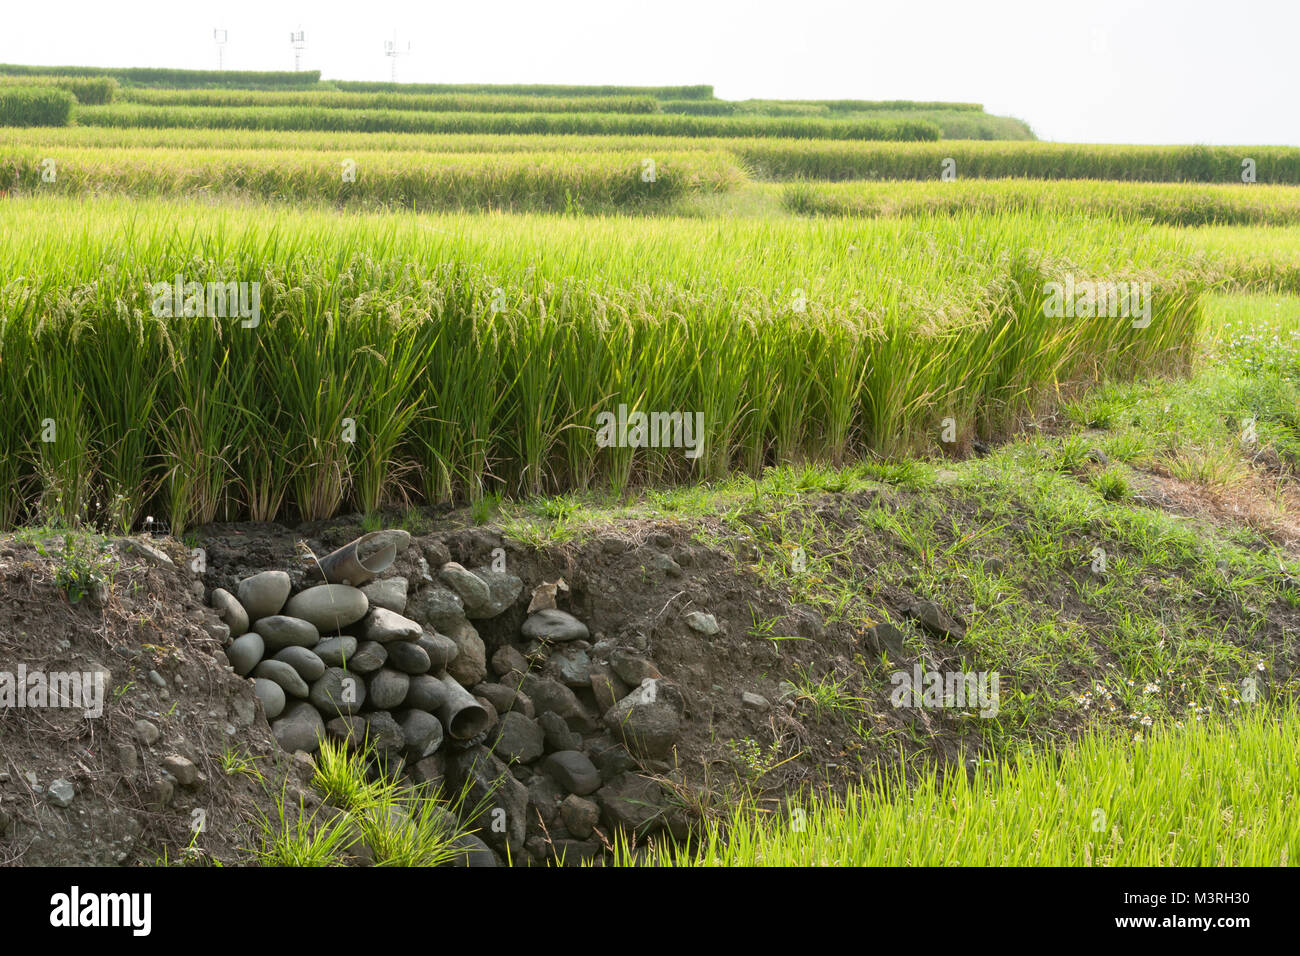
x: 1124, y: 71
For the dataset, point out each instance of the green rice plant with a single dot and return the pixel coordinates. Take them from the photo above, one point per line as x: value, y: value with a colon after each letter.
x: 527, y: 89
x: 91, y: 90
x: 430, y: 103
x: 428, y: 358
x: 148, y: 76
x: 414, y: 121
x: 35, y: 106
x: 1213, y: 793
x: 1179, y: 204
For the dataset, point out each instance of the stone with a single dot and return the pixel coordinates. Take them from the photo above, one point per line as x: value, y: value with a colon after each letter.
x: 704, y: 623
x: 632, y: 803
x: 935, y: 621
x: 328, y: 606
x: 887, y: 639
x: 386, y: 688
x: 607, y: 687
x: 161, y: 793
x: 472, y: 852
x: 442, y: 650
x: 368, y: 657
x: 557, y: 734
x: 422, y: 732
x: 244, y: 652
x: 299, y: 728
x: 61, y: 792
x: 147, y: 551
x: 284, y: 675
x: 387, y: 593
x: 755, y: 701
x: 488, y: 786
x: 338, y: 693
x: 469, y: 587
x: 230, y: 611
x: 469, y: 666
x: 503, y: 590
x: 408, y: 658
x: 337, y: 651
x: 385, y: 734
x: 437, y: 608
x: 127, y: 758
x: 554, y: 625
x: 431, y: 770
x: 570, y: 665
x: 146, y: 731
x: 544, y: 796
x: 425, y: 693
x: 263, y: 594
x: 631, y: 667
x: 279, y: 632
x: 348, y: 728
x: 611, y: 759
x: 243, y: 708
x: 271, y: 695
x: 580, y: 816
x: 665, y: 563
x: 506, y: 659
x: 308, y: 665
x: 649, y: 719
x: 517, y: 739
x: 575, y: 852
x: 182, y: 769
x: 573, y: 771
x: 383, y: 625
x: 501, y: 696
x: 548, y: 694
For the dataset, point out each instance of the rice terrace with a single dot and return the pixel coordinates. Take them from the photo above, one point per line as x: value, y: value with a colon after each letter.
x: 536, y: 474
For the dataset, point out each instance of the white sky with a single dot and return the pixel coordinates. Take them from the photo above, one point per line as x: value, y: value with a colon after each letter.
x: 1136, y: 71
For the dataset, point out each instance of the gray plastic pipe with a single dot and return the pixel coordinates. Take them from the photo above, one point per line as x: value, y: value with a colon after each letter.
x: 358, y: 562
x: 462, y: 716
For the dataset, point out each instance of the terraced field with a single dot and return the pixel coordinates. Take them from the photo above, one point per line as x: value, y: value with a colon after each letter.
x: 938, y: 367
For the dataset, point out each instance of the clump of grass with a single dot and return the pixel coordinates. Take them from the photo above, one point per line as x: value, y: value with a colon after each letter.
x: 1111, y: 484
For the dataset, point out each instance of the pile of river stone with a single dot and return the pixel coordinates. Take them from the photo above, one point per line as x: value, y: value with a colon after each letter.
x: 571, y: 724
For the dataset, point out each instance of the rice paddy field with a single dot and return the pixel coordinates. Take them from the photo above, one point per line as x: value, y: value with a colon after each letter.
x: 450, y: 283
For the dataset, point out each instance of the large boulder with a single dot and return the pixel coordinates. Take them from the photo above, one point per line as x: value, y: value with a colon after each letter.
x: 299, y: 728
x: 308, y: 665
x: 284, y: 675
x: 437, y: 608
x: 338, y: 692
x: 553, y: 626
x: 337, y: 651
x: 388, y: 593
x: 469, y: 666
x: 497, y: 801
x: 649, y: 719
x: 572, y: 771
x: 328, y: 606
x: 633, y: 803
x: 503, y: 591
x: 244, y: 652
x: 384, y: 626
x: 230, y: 611
x: 518, y: 739
x: 386, y: 688
x: 263, y: 595
x: 280, y: 631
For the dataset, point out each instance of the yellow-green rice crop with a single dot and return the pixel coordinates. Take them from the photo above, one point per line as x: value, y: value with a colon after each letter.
x: 475, y: 351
